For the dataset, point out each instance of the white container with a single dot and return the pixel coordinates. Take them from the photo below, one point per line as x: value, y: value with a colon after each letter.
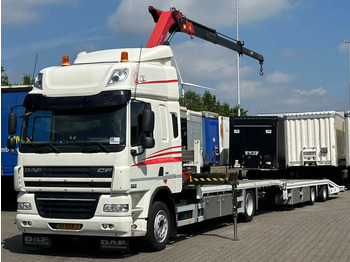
x: 224, y: 139
x: 315, y: 139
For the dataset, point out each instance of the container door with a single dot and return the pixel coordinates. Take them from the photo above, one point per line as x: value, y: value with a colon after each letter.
x: 211, y: 140
x: 254, y: 146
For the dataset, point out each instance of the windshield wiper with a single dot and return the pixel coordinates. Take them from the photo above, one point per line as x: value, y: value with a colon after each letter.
x: 104, y: 147
x: 54, y: 148
x: 44, y: 149
x: 91, y: 148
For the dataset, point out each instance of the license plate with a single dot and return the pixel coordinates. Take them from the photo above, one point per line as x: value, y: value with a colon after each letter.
x: 65, y: 226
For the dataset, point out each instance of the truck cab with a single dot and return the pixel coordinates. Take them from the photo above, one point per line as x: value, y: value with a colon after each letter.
x: 100, y: 144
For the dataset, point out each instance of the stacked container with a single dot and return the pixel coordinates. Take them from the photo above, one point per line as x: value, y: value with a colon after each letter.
x: 211, y: 152
x: 191, y: 128
x: 224, y: 139
x: 315, y: 139
x: 257, y: 142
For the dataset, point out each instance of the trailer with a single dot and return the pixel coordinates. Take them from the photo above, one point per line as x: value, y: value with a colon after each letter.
x: 10, y: 96
x: 100, y: 151
x: 216, y: 200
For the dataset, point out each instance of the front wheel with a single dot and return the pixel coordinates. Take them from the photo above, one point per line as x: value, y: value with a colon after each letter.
x: 158, y: 227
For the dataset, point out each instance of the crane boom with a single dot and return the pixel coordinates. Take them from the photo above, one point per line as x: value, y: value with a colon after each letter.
x: 174, y: 21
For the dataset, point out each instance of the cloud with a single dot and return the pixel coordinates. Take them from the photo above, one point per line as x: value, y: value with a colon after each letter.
x: 288, y: 54
x: 274, y: 93
x: 279, y: 78
x: 206, y: 12
x: 82, y: 39
x: 19, y: 12
x: 316, y: 91
x: 208, y: 63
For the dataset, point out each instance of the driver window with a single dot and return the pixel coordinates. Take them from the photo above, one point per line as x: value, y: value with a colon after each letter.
x: 137, y: 109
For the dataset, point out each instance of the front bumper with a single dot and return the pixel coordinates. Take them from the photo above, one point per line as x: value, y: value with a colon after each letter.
x: 96, y: 226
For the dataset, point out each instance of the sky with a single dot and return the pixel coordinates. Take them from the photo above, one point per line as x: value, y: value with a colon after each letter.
x: 306, y: 64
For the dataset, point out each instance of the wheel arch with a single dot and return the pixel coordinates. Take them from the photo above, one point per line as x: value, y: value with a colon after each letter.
x: 164, y: 195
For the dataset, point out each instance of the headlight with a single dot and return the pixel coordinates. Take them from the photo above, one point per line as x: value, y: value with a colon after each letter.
x: 24, y: 206
x: 119, y: 208
x: 118, y: 75
x: 39, y: 81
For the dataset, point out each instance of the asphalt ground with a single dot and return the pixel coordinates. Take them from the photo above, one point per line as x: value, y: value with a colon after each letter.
x: 303, y: 233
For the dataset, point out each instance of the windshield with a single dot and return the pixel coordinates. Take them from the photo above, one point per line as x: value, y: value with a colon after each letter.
x: 74, y: 130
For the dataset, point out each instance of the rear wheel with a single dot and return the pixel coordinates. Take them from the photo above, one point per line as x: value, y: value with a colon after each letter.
x: 158, y: 227
x: 249, y: 206
x: 312, y: 196
x: 322, y: 194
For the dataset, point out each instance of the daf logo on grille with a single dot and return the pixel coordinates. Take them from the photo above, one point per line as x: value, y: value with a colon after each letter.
x: 104, y: 170
x: 33, y: 169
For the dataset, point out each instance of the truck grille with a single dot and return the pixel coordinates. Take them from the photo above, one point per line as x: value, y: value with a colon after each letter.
x: 67, y: 205
x: 72, y: 178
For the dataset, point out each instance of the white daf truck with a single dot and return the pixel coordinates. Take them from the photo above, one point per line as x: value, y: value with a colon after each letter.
x: 100, y: 152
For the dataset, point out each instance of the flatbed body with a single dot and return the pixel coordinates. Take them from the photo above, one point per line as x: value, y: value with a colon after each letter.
x: 217, y: 200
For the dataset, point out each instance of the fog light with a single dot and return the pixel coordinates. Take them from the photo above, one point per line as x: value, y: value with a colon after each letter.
x: 26, y: 223
x: 108, y: 226
x: 24, y: 206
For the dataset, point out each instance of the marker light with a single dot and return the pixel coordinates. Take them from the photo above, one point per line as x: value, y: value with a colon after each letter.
x: 39, y: 81
x: 124, y: 57
x: 65, y: 60
x: 118, y: 75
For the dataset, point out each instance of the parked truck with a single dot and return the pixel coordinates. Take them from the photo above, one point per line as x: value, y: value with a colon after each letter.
x: 10, y: 96
x: 100, y: 151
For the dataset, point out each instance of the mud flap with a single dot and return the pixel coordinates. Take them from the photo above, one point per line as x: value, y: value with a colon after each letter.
x: 36, y: 240
x: 112, y: 243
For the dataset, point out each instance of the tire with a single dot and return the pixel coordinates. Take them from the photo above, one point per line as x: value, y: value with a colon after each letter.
x: 322, y: 194
x: 312, y: 196
x: 158, y: 227
x: 249, y: 206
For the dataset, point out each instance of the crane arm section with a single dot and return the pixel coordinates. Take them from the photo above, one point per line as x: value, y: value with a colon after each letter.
x: 174, y: 21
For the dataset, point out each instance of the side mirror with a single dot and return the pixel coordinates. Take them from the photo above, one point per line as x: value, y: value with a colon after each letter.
x: 11, y: 145
x: 12, y: 123
x: 147, y: 128
x: 147, y: 121
x: 147, y: 142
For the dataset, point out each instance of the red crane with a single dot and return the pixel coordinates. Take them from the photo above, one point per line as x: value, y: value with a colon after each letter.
x: 174, y: 21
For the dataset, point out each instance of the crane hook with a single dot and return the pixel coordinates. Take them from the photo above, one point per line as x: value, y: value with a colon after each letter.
x: 261, y: 69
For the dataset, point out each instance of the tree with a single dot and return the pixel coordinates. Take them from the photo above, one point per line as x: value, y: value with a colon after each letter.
x: 4, y: 78
x: 208, y: 102
x: 192, y: 101
x: 27, y: 80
